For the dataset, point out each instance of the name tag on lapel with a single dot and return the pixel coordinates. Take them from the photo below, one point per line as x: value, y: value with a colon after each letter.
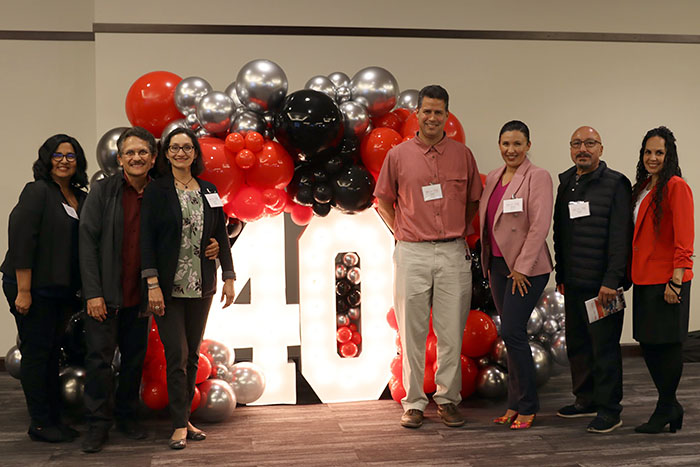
x: 431, y: 192
x: 512, y: 205
x: 213, y: 200
x: 579, y: 209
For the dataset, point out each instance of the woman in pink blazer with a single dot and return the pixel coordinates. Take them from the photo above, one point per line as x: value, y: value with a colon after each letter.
x: 515, y: 212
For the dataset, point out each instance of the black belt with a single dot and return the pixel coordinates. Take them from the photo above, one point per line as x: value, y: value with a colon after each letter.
x: 444, y: 240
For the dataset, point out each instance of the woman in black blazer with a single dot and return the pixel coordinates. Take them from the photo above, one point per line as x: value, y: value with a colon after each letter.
x: 41, y: 276
x: 179, y: 213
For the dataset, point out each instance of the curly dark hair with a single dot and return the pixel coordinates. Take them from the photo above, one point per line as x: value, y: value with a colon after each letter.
x: 42, y: 166
x: 163, y: 164
x: 669, y: 169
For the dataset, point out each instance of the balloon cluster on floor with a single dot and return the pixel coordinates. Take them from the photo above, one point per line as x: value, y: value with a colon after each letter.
x: 348, y: 304
x: 220, y: 383
x: 484, y: 355
x: 331, y: 137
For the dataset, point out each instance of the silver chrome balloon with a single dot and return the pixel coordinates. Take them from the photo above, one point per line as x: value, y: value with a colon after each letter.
x: 496, y: 318
x: 248, y: 121
x: 181, y: 123
x: 218, y: 400
x: 322, y: 84
x: 107, y: 151
x: 492, y: 382
x: 214, y: 112
x: 551, y: 303
x: 339, y: 79
x: 354, y: 275
x: 378, y: 87
x: 219, y: 353
x: 72, y: 384
x: 354, y: 313
x: 221, y: 371
x: 558, y: 348
x: 350, y: 259
x: 534, y: 324
x: 230, y: 91
x: 343, y: 94
x: 550, y: 326
x: 248, y: 382
x: 99, y: 175
x: 543, y: 366
x: 188, y: 92
x: 340, y: 271
x: 201, y: 133
x: 341, y: 319
x: 499, y: 353
x: 13, y: 361
x: 355, y: 118
x: 483, y: 362
x: 408, y: 99
x: 261, y: 85
x: 192, y: 121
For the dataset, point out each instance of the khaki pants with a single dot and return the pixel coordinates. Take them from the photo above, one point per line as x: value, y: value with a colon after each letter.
x: 437, y: 274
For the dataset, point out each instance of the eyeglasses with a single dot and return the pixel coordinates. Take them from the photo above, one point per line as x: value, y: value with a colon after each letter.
x: 57, y: 156
x: 589, y: 143
x: 187, y: 148
x: 133, y: 152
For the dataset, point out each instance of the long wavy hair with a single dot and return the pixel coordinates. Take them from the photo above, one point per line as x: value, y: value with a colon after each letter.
x: 42, y: 166
x: 669, y: 169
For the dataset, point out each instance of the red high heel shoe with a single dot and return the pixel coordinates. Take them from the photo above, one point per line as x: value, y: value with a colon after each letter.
x: 505, y: 420
x: 518, y: 425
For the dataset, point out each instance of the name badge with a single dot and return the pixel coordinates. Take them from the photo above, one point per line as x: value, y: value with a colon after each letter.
x: 579, y: 209
x: 213, y: 200
x: 70, y: 211
x: 512, y: 205
x: 431, y: 192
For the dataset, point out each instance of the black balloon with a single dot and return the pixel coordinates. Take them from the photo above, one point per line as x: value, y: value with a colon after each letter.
x: 335, y: 164
x: 341, y: 306
x: 233, y: 228
x: 342, y: 287
x: 353, y: 189
x: 320, y: 176
x: 309, y: 125
x: 321, y: 210
x: 305, y: 196
x: 323, y: 193
x: 354, y: 298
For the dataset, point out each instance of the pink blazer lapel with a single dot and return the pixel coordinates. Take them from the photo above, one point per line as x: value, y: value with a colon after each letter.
x: 514, y: 185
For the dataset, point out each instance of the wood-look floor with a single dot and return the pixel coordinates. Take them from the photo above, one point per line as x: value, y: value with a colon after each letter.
x: 368, y: 433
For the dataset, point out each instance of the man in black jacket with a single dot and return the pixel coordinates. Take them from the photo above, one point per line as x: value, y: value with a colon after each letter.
x: 592, y: 240
x: 110, y: 265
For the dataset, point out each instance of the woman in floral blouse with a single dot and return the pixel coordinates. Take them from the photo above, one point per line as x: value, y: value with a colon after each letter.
x: 179, y: 214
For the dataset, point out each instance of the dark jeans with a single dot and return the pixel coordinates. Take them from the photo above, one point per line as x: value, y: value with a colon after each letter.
x: 126, y: 330
x: 181, y: 329
x: 594, y: 354
x: 515, y: 312
x: 41, y: 331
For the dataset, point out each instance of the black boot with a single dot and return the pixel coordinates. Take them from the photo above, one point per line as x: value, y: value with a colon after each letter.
x: 671, y: 414
x: 45, y: 433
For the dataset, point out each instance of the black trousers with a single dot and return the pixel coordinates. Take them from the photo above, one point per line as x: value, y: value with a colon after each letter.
x: 41, y: 331
x: 665, y: 364
x: 126, y: 330
x: 515, y: 312
x: 594, y: 354
x: 181, y: 329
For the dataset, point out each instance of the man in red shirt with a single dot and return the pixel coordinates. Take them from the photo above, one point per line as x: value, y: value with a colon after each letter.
x: 428, y: 191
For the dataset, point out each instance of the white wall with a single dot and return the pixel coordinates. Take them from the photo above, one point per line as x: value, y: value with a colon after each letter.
x: 622, y: 89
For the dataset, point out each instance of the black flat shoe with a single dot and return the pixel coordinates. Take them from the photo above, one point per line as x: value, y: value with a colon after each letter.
x: 46, y: 433
x: 671, y: 415
x: 196, y: 435
x: 69, y: 433
x: 177, y: 443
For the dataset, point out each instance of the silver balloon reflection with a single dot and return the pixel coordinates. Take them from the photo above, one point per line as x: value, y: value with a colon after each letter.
x: 215, y: 111
x: 261, y: 85
x: 219, y: 353
x: 188, y: 92
x: 222, y: 372
x: 550, y: 326
x: 355, y: 118
x: 496, y: 318
x: 354, y: 313
x: 343, y: 94
x: 97, y: 176
x: 350, y: 259
x: 492, y: 382
x: 107, y: 151
x: 534, y: 324
x: 192, y: 121
x: 378, y: 87
x: 72, y: 384
x: 13, y: 361
x: 339, y: 79
x: 499, y: 353
x: 230, y: 91
x: 181, y: 123
x: 248, y: 382
x: 321, y: 84
x: 218, y: 401
x: 201, y: 133
x: 354, y: 275
x: 116, y: 360
x: 483, y: 362
x: 543, y: 366
x: 340, y: 271
x: 552, y: 303
x: 248, y: 121
x: 341, y: 320
x: 408, y: 99
x: 558, y: 348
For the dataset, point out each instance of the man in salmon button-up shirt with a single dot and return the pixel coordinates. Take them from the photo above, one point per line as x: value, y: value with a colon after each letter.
x: 428, y: 192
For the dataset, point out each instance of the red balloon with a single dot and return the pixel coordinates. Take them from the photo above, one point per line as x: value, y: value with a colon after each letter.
x: 220, y: 167
x: 274, y: 168
x: 391, y: 319
x: 356, y: 338
x: 389, y: 120
x: 376, y: 145
x: 155, y: 370
x: 196, y: 399
x: 150, y: 101
x: 453, y: 128
x: 254, y: 141
x: 479, y: 334
x: 246, y: 205
x: 429, y: 385
x: 204, y: 369
x: 343, y: 334
x: 348, y: 350
x: 397, y: 390
x: 470, y: 371
x: 396, y: 367
x: 430, y: 349
x: 402, y: 114
x: 353, y: 327
x: 234, y: 142
x: 302, y: 215
x: 245, y: 159
x: 154, y: 394
x: 275, y: 201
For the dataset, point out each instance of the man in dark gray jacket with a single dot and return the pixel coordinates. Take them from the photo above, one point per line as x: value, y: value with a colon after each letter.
x: 110, y: 266
x: 592, y: 241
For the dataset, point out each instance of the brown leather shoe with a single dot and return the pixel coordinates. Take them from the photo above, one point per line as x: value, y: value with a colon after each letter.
x: 412, y: 418
x: 450, y: 415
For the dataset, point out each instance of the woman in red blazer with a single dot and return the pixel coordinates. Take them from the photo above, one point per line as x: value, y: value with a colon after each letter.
x: 515, y: 212
x: 662, y: 250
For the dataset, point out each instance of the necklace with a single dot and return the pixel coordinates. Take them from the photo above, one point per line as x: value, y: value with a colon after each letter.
x: 184, y: 183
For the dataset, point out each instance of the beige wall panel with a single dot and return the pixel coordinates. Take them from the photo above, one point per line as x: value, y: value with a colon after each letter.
x: 47, y: 15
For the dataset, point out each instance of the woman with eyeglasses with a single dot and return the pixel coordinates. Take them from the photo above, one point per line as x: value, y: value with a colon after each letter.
x: 179, y: 213
x: 662, y: 262
x: 41, y: 277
